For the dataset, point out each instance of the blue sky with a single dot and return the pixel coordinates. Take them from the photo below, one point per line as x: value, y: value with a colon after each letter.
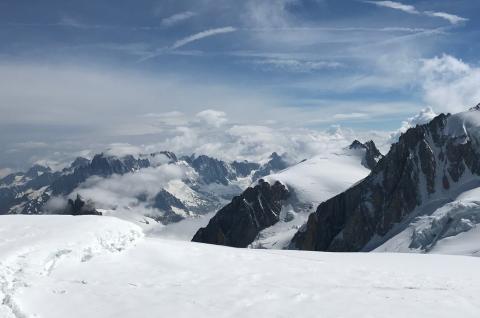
x: 80, y: 73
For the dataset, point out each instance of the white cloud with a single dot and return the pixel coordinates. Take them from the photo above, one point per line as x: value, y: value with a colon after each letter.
x: 423, y: 117
x: 202, y: 35
x: 452, y: 18
x: 296, y: 65
x: 212, y: 117
x: 395, y: 5
x: 123, y: 149
x: 350, y: 116
x: 177, y: 18
x: 123, y: 192
x: 449, y: 84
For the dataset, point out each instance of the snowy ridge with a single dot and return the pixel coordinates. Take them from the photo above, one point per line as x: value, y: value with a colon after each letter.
x: 311, y: 182
x: 33, y: 246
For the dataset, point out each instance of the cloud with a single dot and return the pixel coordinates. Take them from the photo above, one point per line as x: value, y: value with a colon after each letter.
x: 449, y: 84
x: 212, y: 117
x: 395, y: 5
x: 202, y: 35
x: 177, y: 18
x: 296, y: 65
x: 452, y: 18
x: 122, y: 149
x: 423, y: 117
x: 350, y: 116
x: 132, y: 192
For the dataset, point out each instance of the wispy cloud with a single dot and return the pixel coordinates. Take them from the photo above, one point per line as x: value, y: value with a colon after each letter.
x: 177, y: 18
x: 396, y: 5
x: 452, y: 18
x: 202, y: 35
x: 296, y: 65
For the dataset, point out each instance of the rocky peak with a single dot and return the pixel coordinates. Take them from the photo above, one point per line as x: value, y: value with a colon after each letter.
x: 212, y: 170
x: 239, y: 223
x: 244, y: 168
x: 36, y: 171
x: 275, y: 163
x: 475, y: 108
x: 421, y: 167
x: 81, y: 207
x: 371, y: 155
x: 79, y: 162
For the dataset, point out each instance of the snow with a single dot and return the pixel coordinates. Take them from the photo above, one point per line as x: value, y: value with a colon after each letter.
x: 311, y: 182
x: 148, y: 276
x: 452, y: 228
x: 322, y: 177
x: 32, y: 247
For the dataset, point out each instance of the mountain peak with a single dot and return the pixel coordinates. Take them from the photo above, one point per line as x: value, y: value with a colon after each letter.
x: 475, y: 108
x: 371, y: 156
x: 356, y: 145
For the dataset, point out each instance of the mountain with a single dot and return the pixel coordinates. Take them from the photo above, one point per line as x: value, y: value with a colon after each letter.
x: 410, y: 194
x: 369, y: 151
x: 270, y: 212
x: 274, y: 164
x: 207, y: 184
x: 238, y: 223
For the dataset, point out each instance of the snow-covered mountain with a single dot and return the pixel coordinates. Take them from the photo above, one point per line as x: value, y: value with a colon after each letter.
x: 158, y: 185
x: 269, y: 213
x: 420, y: 197
x: 416, y: 198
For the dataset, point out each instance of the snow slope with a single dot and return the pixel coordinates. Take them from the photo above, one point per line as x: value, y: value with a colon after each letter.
x: 322, y: 177
x: 453, y: 228
x: 32, y: 247
x: 156, y: 277
x: 311, y: 182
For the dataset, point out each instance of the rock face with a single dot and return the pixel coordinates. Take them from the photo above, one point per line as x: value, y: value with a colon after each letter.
x: 81, y: 207
x: 166, y: 202
x: 423, y: 166
x: 275, y: 164
x: 239, y: 223
x: 371, y: 155
x: 212, y: 170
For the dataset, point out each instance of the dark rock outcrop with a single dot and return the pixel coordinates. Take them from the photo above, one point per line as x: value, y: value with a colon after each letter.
x: 81, y: 207
x: 211, y: 170
x: 239, y: 223
x: 274, y: 164
x: 164, y: 201
x: 244, y: 168
x: 424, y: 162
x: 371, y: 156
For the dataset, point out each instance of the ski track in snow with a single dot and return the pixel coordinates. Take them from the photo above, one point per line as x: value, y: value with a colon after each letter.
x: 84, y: 275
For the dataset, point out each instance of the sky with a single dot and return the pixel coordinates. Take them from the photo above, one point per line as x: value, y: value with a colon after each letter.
x: 233, y: 79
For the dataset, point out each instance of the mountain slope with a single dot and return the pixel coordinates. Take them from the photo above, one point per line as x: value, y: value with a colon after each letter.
x: 238, y: 223
x: 428, y: 166
x: 307, y: 183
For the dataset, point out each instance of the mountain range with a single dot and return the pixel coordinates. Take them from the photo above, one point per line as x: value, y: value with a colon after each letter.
x: 207, y: 184
x: 422, y: 196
